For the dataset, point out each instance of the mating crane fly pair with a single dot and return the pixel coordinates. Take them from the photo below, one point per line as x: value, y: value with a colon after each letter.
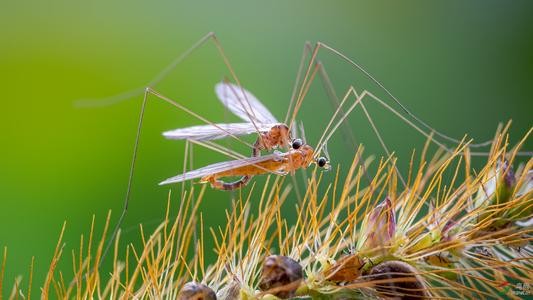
x: 272, y: 135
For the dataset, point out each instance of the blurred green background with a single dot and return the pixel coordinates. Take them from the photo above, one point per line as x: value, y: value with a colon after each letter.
x: 461, y: 66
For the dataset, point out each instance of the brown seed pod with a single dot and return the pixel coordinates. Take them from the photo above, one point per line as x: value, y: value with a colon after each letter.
x: 280, y: 276
x: 230, y: 291
x: 398, y: 280
x: 196, y: 291
x: 347, y: 268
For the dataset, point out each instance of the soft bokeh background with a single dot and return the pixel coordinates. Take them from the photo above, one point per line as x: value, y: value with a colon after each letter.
x: 461, y: 66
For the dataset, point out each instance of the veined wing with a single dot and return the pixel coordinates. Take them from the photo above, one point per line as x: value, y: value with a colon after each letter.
x: 243, y: 104
x: 223, y: 166
x: 215, y: 131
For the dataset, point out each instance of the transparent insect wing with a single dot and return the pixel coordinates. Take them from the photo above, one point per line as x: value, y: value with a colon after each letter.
x: 302, y: 129
x: 243, y: 104
x: 223, y: 166
x: 215, y: 131
x: 294, y: 131
x: 325, y: 150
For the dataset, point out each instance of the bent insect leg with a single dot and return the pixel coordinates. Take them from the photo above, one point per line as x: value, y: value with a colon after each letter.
x: 308, y: 78
x: 147, y: 92
x: 278, y: 135
x: 147, y: 89
x: 315, y: 66
x: 226, y: 186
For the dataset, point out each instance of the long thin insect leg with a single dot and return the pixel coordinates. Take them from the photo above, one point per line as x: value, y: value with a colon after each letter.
x: 292, y: 99
x: 291, y: 102
x: 403, y: 107
x: 328, y: 86
x: 147, y: 92
x: 188, y: 147
x: 302, y: 87
x: 227, y: 186
x: 234, y: 75
x: 130, y: 178
x: 190, y: 112
x: 164, y: 73
x: 154, y: 81
x: 211, y: 36
x: 383, y: 145
x: 305, y: 87
x: 201, y: 118
x: 346, y: 126
x: 412, y: 124
x: 188, y: 156
x: 297, y: 80
x: 219, y: 184
x: 359, y: 101
x: 159, y: 77
x: 308, y: 79
x: 335, y: 102
x: 414, y: 117
x: 350, y: 91
x: 299, y: 103
x: 329, y: 91
x: 218, y: 148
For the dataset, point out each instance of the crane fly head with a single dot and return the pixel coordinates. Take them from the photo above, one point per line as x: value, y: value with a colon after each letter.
x: 323, y: 161
x: 296, y: 144
x: 300, y: 145
x: 305, y: 149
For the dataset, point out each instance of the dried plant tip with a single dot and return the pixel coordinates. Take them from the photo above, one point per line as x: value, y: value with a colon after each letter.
x: 398, y: 280
x: 280, y: 276
x: 505, y: 187
x: 509, y: 177
x: 379, y: 226
x: 196, y: 291
x: 230, y: 291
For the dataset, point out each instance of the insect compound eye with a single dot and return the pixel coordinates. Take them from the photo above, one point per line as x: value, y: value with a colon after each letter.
x: 321, y: 161
x: 297, y: 143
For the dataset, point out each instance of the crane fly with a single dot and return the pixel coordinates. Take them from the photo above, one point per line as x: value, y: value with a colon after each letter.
x: 272, y: 134
x: 299, y: 156
x: 242, y: 103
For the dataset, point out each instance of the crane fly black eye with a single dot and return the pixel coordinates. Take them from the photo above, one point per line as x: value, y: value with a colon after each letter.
x: 297, y: 143
x: 321, y: 161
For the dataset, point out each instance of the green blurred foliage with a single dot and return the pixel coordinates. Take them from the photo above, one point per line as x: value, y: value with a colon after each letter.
x: 461, y: 66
